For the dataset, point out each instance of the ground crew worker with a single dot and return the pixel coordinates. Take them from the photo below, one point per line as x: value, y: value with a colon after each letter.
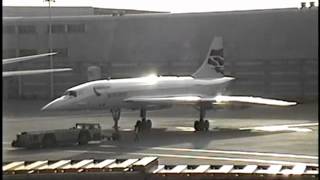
x: 137, y: 130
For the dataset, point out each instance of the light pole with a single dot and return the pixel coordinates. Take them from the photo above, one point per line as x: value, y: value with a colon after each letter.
x: 50, y: 50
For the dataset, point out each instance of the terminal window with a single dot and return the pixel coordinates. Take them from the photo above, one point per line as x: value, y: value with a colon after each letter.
x: 57, y: 28
x: 27, y: 52
x: 9, y: 29
x: 26, y: 29
x: 76, y: 28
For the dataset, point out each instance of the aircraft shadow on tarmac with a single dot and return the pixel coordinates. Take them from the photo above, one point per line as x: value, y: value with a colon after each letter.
x: 161, y: 137
x: 158, y: 137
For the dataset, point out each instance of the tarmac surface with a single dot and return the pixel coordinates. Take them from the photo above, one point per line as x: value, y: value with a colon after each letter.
x: 257, y: 135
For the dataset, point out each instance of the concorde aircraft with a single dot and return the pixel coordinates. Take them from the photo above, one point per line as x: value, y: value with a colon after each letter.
x: 29, y: 72
x: 203, y: 89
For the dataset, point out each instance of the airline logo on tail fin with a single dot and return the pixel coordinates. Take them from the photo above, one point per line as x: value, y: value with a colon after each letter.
x: 216, y: 60
x: 213, y: 64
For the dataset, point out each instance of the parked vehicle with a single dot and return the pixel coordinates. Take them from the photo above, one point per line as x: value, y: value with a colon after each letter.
x: 81, y: 134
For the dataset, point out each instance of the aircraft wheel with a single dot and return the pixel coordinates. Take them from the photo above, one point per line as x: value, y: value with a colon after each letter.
x: 197, y: 125
x: 143, y: 125
x: 14, y: 143
x: 148, y: 125
x: 206, y: 125
x: 201, y: 125
x: 83, y: 138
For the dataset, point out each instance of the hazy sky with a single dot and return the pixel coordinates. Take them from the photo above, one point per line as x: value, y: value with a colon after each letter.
x: 168, y: 5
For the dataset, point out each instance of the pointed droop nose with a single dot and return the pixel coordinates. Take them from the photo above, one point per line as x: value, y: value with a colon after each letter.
x: 53, y: 105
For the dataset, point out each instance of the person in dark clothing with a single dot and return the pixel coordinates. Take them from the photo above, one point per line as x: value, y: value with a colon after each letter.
x: 137, y: 130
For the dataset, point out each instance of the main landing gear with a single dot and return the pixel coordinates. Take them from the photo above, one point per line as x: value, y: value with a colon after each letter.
x: 116, y: 116
x: 143, y: 125
x: 202, y: 125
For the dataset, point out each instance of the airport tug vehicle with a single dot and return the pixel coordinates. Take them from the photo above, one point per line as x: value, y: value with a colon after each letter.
x: 80, y: 134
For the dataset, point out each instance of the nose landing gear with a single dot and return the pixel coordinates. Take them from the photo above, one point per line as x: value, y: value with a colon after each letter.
x: 116, y: 116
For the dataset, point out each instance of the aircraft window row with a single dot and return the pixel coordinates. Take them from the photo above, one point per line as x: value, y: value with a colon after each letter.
x: 101, y: 87
x: 120, y: 94
x: 70, y: 93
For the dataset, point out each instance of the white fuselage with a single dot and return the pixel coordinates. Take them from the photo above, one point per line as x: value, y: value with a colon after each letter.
x: 106, y: 94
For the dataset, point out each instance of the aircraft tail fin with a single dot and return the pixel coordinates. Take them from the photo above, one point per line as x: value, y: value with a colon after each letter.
x: 213, y: 65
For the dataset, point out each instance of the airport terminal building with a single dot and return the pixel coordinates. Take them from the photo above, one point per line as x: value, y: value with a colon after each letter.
x: 272, y: 53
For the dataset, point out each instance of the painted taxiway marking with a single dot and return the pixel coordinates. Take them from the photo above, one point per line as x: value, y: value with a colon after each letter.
x: 226, y: 159
x: 226, y: 152
x: 239, y: 153
x: 201, y: 157
x: 90, y: 151
x: 188, y: 129
x: 286, y: 127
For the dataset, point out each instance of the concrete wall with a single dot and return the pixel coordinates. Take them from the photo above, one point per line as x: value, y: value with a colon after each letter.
x: 273, y: 53
x: 43, y: 11
x: 13, y: 11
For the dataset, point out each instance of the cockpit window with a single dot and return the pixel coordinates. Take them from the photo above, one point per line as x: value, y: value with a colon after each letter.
x: 70, y: 93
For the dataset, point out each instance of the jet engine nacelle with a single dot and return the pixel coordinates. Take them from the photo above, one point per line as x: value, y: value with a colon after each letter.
x: 224, y: 106
x: 152, y: 107
x: 229, y: 106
